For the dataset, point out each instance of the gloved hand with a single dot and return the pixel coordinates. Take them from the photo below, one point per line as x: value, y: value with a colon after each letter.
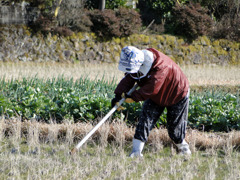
x: 115, y: 100
x: 118, y: 98
x: 128, y: 98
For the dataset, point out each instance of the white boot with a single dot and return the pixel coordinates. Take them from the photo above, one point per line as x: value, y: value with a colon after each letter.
x: 137, y: 148
x: 183, y: 148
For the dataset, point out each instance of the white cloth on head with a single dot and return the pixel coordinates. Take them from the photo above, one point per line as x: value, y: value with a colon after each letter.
x: 147, y: 63
x: 131, y: 59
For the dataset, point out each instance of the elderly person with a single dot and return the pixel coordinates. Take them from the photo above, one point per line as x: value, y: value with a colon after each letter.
x: 162, y: 85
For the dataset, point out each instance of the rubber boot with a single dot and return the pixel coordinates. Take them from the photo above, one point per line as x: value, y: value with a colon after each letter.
x: 183, y: 148
x: 137, y: 148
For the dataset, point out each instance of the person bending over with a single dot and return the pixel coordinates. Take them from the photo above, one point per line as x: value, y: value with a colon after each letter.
x: 162, y: 85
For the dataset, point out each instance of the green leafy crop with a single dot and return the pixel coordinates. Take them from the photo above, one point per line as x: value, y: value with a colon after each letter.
x: 84, y: 100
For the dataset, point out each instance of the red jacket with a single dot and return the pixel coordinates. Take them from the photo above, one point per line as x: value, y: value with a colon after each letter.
x: 165, y: 83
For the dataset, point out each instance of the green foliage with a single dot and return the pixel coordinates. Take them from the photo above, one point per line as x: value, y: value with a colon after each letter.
x: 91, y: 4
x: 55, y: 99
x: 163, y: 6
x: 115, y: 4
x: 109, y: 4
x: 84, y: 100
x: 155, y: 9
x: 216, y: 111
x: 45, y: 6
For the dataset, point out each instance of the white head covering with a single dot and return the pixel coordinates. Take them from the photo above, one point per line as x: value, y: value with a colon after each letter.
x: 147, y: 63
x: 133, y: 60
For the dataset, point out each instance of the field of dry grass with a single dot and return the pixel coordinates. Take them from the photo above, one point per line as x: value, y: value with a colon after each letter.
x: 31, y: 150
x: 197, y: 75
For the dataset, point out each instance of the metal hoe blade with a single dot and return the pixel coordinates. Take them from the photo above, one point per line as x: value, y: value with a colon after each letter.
x: 74, y: 150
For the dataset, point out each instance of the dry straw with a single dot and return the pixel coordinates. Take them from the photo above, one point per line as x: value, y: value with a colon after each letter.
x: 197, y: 75
x: 117, y: 132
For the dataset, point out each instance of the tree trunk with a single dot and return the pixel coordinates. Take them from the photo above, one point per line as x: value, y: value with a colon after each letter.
x: 101, y: 5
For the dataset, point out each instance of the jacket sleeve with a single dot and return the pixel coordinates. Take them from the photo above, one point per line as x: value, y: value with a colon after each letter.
x: 124, y: 85
x: 152, y: 85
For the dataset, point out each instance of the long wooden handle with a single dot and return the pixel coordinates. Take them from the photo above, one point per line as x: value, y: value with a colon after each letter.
x: 74, y: 150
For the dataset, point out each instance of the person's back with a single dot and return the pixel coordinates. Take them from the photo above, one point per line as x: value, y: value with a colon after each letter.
x: 175, y: 84
x: 162, y: 85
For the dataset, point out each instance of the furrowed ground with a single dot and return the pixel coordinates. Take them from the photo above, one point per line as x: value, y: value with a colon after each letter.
x: 32, y: 150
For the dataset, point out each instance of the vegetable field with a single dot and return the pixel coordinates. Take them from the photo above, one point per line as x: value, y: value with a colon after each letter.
x: 57, y: 95
x: 83, y: 100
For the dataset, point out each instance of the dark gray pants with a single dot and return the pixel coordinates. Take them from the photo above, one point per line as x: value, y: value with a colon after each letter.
x: 177, y: 116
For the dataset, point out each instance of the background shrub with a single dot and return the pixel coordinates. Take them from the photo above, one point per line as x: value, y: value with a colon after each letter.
x: 105, y: 23
x: 191, y: 21
x: 71, y: 17
x: 227, y: 28
x: 119, y: 23
x: 43, y: 24
x: 62, y: 31
x: 130, y: 21
x: 188, y: 18
x: 45, y: 21
x: 220, y: 8
x: 77, y: 19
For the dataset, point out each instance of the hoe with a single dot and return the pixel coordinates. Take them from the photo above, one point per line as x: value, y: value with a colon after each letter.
x: 74, y: 150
